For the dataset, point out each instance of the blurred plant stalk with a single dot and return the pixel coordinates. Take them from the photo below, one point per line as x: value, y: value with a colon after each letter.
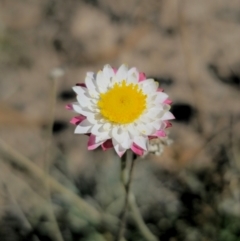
x: 129, y: 201
x: 90, y: 213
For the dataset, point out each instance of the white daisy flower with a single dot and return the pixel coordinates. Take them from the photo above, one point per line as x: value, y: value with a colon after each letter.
x: 120, y: 109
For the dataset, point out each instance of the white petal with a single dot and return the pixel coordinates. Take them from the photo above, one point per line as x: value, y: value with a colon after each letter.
x: 145, y: 118
x: 117, y: 134
x: 108, y: 71
x: 118, y: 148
x: 83, y: 100
x: 97, y: 130
x: 158, y: 124
x: 132, y: 76
x: 149, y: 86
x: 127, y: 143
x: 92, y: 108
x: 122, y: 73
x: 94, y: 101
x: 79, y: 90
x: 91, y: 85
x: 102, y: 82
x: 121, y: 135
x: 99, y: 78
x: 103, y: 137
x: 80, y: 110
x: 146, y: 129
x: 94, y: 118
x: 91, y: 75
x: 168, y: 116
x: 141, y: 141
x: 132, y: 130
x: 83, y: 128
x: 155, y: 112
x: 160, y: 97
x: 166, y: 107
x: 107, y: 126
x: 76, y: 107
x: 151, y: 97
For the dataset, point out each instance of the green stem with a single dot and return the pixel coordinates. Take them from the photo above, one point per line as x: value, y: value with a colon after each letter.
x: 126, y: 179
x: 145, y: 231
x: 130, y: 202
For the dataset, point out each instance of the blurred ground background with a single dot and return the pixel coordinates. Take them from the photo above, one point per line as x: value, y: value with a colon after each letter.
x: 192, y: 191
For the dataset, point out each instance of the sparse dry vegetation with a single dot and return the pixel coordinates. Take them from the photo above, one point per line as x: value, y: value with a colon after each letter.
x: 51, y: 187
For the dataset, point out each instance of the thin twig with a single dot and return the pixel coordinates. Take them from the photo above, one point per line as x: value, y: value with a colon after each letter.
x: 19, y: 210
x: 89, y: 212
x: 48, y: 144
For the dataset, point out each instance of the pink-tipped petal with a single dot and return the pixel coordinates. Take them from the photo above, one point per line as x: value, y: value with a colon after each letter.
x: 137, y: 149
x: 141, y: 141
x: 81, y: 84
x: 69, y: 107
x: 92, y: 144
x: 161, y: 97
x: 115, y: 70
x: 167, y: 101
x: 142, y: 77
x: 83, y: 127
x: 118, y: 148
x: 159, y: 90
x: 120, y: 151
x: 107, y: 145
x: 77, y: 119
x: 160, y: 133
x: 168, y: 124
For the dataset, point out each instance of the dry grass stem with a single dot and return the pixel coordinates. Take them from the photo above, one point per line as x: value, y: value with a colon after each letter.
x: 35, y: 172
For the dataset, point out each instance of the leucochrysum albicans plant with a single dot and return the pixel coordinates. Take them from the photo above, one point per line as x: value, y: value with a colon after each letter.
x: 121, y: 109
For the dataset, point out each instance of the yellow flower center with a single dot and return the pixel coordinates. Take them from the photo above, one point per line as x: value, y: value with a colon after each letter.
x: 123, y: 103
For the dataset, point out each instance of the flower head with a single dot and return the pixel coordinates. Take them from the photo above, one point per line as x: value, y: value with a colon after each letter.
x: 120, y: 109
